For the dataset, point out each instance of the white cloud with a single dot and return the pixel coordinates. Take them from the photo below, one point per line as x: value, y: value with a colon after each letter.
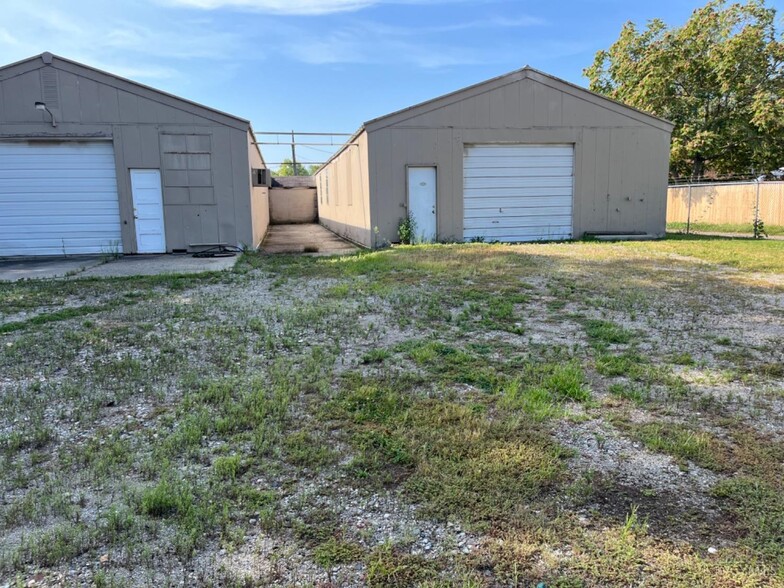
x: 184, y: 40
x: 454, y: 27
x: 7, y: 38
x: 129, y: 44
x: 364, y: 41
x: 301, y: 7
x: 298, y: 7
x: 367, y: 46
x: 153, y: 40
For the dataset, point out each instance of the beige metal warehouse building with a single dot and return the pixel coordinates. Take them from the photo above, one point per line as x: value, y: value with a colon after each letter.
x: 521, y: 157
x: 93, y: 163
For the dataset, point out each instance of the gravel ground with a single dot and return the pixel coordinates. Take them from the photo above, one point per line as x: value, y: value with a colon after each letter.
x: 207, y: 330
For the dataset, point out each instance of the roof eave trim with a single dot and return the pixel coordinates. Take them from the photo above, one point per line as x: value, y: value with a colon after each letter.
x: 343, y: 147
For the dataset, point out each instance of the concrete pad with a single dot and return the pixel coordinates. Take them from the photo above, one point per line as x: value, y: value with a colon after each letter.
x: 626, y: 237
x: 306, y: 238
x: 153, y: 265
x: 42, y: 268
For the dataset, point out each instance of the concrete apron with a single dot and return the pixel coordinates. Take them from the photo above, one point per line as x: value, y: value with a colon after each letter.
x: 42, y: 268
x: 100, y: 267
x: 305, y: 238
x: 154, y: 265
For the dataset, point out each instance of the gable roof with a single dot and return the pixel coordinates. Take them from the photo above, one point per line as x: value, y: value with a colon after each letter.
x: 526, y: 72
x: 100, y: 76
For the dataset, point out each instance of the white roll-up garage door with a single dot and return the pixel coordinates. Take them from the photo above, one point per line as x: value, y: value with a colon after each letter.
x: 518, y: 192
x: 58, y: 198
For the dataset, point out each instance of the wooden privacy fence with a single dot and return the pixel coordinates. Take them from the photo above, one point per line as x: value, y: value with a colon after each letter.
x: 737, y: 203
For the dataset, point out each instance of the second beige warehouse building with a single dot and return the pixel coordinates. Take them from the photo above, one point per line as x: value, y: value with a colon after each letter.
x: 522, y: 157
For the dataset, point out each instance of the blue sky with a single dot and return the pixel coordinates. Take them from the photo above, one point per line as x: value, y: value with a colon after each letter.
x: 322, y: 65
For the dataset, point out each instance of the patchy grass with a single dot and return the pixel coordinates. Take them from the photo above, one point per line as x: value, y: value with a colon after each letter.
x: 760, y: 509
x: 334, y: 552
x: 541, y: 390
x: 434, y: 415
x: 603, y: 333
x: 682, y: 442
x: 388, y: 567
x: 449, y: 455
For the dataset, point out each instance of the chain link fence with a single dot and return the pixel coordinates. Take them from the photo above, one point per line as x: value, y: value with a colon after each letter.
x: 726, y: 208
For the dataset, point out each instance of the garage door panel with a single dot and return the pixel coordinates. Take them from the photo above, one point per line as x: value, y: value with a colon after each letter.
x: 71, y: 223
x: 50, y: 194
x: 25, y: 161
x: 507, y: 201
x: 60, y: 175
x: 512, y: 211
x: 482, y: 183
x: 58, y: 198
x: 511, y: 222
x: 58, y: 207
x: 530, y: 192
x: 532, y: 150
x: 518, y: 192
x: 517, y: 162
x: 520, y: 172
x: 554, y: 233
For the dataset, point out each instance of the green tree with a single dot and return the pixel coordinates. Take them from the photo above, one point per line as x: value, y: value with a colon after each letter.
x: 287, y: 169
x: 719, y: 78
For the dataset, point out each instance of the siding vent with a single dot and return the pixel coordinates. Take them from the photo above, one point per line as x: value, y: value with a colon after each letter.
x: 49, y: 87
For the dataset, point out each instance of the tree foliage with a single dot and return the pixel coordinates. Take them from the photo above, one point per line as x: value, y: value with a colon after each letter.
x: 287, y: 169
x: 719, y: 78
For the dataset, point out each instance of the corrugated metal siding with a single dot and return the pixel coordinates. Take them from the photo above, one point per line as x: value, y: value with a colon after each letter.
x: 58, y: 198
x: 518, y: 192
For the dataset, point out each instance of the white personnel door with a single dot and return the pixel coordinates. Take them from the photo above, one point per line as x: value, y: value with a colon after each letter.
x: 148, y: 210
x: 422, y: 202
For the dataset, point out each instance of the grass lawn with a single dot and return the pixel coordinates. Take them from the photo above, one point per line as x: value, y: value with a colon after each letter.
x: 740, y: 229
x: 576, y: 414
x: 744, y: 254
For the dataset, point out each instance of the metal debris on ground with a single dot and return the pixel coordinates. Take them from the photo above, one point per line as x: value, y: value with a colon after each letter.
x: 219, y: 251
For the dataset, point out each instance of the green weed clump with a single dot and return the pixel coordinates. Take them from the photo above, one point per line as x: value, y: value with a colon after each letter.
x: 542, y: 388
x: 228, y: 467
x: 388, y: 567
x: 679, y: 441
x: 760, y: 509
x: 603, y: 333
x: 166, y: 499
x: 333, y: 552
x: 452, y: 365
